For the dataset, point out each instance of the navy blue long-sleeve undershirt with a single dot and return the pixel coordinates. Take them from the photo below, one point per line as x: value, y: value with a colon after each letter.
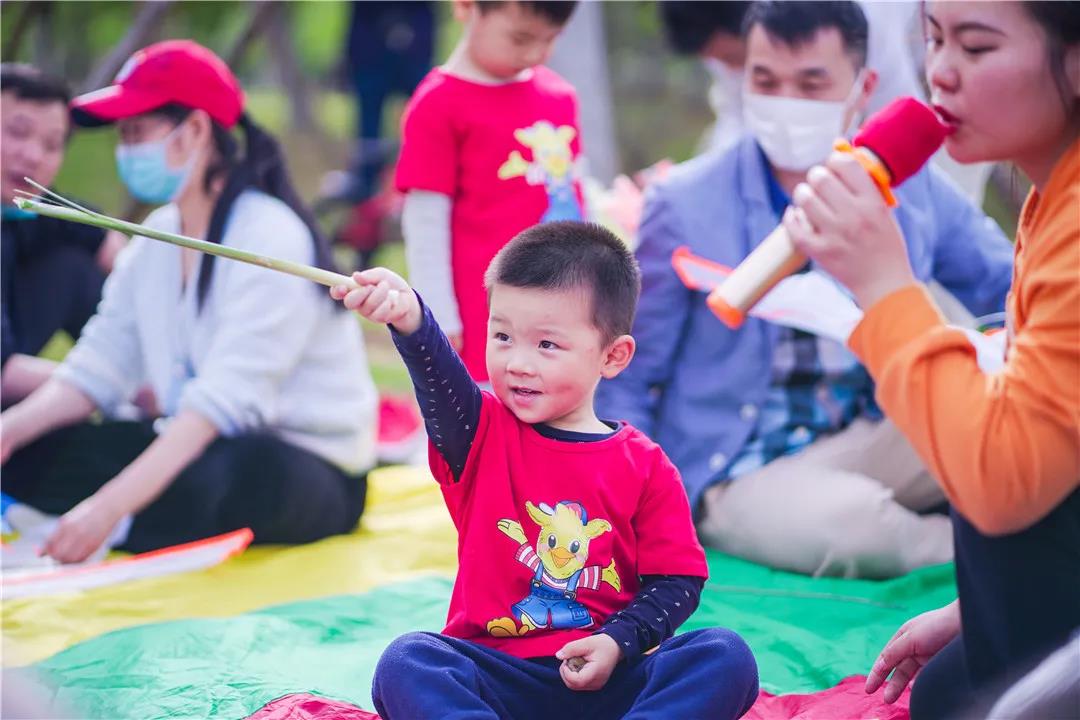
x: 450, y: 404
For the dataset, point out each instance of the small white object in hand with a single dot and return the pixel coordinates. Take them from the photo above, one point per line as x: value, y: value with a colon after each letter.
x: 392, y: 296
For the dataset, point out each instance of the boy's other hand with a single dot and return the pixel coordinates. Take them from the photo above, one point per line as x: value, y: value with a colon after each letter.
x: 600, y: 654
x: 382, y: 296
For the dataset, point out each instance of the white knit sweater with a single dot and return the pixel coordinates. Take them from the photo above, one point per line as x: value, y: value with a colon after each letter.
x: 268, y: 352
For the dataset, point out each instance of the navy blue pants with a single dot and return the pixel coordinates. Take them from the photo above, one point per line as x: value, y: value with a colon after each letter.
x: 705, y: 674
x: 1019, y: 600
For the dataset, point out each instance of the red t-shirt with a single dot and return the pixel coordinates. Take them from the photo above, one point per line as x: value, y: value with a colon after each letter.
x: 506, y: 155
x: 553, y: 535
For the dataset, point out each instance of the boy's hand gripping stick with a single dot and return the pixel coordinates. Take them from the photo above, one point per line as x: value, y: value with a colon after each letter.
x: 893, y: 144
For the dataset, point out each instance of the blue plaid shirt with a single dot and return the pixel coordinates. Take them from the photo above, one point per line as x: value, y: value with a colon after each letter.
x: 817, y: 388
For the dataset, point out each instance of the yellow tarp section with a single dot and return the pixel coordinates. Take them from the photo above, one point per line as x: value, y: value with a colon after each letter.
x: 405, y: 531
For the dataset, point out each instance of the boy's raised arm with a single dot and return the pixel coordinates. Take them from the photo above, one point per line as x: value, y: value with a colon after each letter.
x: 449, y: 398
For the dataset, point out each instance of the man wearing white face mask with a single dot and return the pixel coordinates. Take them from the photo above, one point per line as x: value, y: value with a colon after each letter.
x: 775, y: 431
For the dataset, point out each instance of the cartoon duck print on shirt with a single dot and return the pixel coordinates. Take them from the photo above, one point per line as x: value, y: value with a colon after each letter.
x: 559, y: 570
x: 552, y: 166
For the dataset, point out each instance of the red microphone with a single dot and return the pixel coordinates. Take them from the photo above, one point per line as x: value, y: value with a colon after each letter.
x: 892, y: 146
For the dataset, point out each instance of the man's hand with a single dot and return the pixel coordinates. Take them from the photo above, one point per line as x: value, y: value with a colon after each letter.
x: 600, y: 654
x: 82, y: 530
x: 382, y: 296
x: 917, y: 640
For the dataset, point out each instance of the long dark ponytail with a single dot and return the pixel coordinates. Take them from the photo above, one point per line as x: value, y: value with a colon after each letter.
x: 261, y: 167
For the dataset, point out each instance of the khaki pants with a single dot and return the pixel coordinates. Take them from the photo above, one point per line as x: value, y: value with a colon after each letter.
x: 846, y: 505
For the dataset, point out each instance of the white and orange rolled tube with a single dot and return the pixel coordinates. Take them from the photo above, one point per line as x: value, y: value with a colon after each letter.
x: 776, y: 257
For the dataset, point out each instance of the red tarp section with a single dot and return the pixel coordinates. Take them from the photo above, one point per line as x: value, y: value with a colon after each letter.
x: 847, y: 700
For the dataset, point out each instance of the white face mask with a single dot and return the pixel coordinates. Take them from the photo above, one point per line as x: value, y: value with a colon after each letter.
x: 725, y: 93
x: 796, y: 133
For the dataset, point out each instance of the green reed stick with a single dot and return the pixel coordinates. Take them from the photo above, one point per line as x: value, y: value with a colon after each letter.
x: 75, y: 213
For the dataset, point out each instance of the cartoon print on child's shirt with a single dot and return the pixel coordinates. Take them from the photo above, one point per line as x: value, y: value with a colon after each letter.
x: 552, y: 166
x: 559, y: 571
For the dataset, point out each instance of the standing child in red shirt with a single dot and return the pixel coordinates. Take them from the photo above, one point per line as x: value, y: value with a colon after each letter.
x: 576, y: 549
x: 490, y: 144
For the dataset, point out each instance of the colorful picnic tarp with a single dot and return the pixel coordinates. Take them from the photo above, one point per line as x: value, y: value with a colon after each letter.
x: 333, y: 606
x: 846, y: 701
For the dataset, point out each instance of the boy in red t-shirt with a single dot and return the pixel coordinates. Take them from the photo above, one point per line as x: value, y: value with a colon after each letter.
x: 576, y: 549
x: 490, y: 145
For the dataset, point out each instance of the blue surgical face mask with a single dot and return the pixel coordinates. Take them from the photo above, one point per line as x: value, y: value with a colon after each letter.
x: 146, y: 172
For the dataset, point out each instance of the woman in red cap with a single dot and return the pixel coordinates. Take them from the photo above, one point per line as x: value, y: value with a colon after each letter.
x: 266, y: 404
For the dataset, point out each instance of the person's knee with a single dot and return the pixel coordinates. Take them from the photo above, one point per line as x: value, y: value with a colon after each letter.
x: 724, y: 650
x: 734, y: 651
x: 878, y: 538
x: 406, y: 657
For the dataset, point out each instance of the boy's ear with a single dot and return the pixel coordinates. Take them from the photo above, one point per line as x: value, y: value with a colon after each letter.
x: 617, y: 356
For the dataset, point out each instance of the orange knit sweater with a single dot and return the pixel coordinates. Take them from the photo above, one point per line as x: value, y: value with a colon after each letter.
x: 1005, y: 447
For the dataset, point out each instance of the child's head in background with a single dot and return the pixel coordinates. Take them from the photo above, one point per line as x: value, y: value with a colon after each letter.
x: 503, y: 38
x: 561, y: 299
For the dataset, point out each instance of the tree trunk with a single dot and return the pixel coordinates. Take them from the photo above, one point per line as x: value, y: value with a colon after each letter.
x: 145, y: 24
x: 292, y: 79
x: 258, y: 22
x: 581, y: 57
x: 30, y: 10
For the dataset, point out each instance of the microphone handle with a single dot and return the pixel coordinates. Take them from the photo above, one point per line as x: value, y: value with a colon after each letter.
x: 776, y: 257
x: 769, y: 263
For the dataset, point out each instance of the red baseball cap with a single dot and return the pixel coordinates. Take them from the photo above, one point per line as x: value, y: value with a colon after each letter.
x: 172, y: 71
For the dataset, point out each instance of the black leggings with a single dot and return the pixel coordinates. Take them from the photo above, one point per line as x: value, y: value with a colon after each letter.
x: 284, y: 494
x: 1019, y: 600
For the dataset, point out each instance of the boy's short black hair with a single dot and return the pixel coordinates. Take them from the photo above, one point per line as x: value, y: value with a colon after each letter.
x: 557, y: 12
x: 795, y: 23
x: 29, y: 83
x: 690, y: 24
x: 567, y: 255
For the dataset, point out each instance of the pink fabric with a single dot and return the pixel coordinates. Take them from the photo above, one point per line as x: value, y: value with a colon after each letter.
x: 460, y: 138
x: 302, y: 706
x: 846, y: 700
x: 619, y: 499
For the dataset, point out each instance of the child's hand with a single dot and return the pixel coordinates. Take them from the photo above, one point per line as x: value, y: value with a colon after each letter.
x: 600, y: 654
x: 382, y: 297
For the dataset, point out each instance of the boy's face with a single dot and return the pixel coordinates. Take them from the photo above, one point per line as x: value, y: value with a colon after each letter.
x: 506, y: 39
x: 545, y: 357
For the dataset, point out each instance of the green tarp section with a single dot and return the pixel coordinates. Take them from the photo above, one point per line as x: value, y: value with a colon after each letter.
x: 807, y: 634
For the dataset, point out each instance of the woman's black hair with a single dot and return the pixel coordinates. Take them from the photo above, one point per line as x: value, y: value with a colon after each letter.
x: 261, y: 167
x: 1060, y: 20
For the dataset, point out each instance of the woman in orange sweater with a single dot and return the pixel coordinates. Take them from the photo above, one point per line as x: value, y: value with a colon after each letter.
x: 1005, y: 446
